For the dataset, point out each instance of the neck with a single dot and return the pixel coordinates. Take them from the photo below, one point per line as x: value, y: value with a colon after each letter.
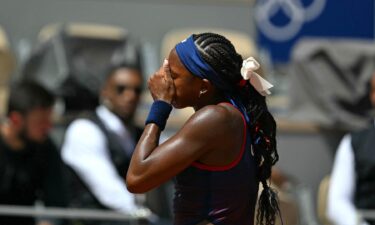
x: 128, y: 121
x: 211, y: 100
x: 11, y: 137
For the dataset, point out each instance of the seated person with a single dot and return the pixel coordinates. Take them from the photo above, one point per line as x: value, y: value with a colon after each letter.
x: 98, y: 147
x: 352, y: 184
x: 30, y: 165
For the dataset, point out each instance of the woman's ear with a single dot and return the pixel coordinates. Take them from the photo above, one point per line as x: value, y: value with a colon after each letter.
x: 206, y: 86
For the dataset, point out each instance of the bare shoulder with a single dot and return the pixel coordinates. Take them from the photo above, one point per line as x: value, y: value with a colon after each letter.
x: 214, y: 127
x: 212, y: 113
x: 210, y: 117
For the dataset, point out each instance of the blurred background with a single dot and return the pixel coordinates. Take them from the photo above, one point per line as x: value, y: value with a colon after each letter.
x: 319, y: 55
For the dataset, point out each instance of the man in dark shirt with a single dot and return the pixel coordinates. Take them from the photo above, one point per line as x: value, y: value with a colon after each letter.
x: 352, y: 182
x: 30, y: 166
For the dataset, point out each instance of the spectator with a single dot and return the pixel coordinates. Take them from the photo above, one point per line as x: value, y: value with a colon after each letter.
x: 98, y: 147
x: 352, y: 185
x: 30, y: 166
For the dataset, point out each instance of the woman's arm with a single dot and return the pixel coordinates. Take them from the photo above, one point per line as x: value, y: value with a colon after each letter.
x: 153, y: 164
x: 211, y: 128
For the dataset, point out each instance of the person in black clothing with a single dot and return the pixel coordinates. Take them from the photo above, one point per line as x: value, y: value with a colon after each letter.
x: 352, y: 183
x: 97, y: 147
x: 30, y: 165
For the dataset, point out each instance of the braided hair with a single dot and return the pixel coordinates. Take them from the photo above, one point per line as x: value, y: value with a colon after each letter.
x: 221, y: 55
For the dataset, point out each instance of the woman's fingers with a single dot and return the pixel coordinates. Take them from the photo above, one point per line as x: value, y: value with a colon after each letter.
x: 167, y: 72
x: 166, y: 68
x: 161, y: 84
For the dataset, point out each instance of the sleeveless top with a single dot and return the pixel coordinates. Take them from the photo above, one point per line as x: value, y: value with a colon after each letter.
x: 218, y: 194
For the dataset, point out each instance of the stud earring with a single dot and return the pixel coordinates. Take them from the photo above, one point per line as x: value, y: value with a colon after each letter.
x: 201, y: 92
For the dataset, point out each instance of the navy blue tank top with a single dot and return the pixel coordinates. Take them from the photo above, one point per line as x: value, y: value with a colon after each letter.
x: 219, y: 194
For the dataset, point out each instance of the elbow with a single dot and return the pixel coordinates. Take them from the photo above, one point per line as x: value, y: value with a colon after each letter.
x: 135, y: 184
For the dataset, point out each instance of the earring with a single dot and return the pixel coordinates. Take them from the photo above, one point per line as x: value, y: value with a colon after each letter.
x: 201, y: 92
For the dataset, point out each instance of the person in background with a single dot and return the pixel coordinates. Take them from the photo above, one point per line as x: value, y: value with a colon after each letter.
x: 30, y: 165
x: 352, y: 184
x: 224, y: 149
x: 98, y: 147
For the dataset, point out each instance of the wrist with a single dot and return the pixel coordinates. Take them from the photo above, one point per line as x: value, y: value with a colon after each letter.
x: 159, y: 113
x: 166, y: 100
x: 163, y: 100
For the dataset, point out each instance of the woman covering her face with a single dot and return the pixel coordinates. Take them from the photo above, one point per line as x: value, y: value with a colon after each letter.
x: 225, y: 148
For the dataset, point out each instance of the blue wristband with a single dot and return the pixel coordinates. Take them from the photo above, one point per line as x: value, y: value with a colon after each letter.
x: 159, y: 113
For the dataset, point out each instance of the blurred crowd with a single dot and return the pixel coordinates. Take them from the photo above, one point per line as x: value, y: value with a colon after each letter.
x: 85, y: 166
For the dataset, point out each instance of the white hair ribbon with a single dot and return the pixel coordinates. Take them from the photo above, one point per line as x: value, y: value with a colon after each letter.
x: 249, y: 65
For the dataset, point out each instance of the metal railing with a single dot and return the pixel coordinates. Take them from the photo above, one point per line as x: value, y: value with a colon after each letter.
x: 75, y: 213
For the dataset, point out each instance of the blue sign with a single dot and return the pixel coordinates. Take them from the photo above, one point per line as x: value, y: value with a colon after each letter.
x: 280, y: 23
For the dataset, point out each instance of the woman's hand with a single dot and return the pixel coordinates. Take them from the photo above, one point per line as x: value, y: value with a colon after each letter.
x: 161, y: 84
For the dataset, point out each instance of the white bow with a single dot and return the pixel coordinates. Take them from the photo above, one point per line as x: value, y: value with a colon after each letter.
x: 249, y: 65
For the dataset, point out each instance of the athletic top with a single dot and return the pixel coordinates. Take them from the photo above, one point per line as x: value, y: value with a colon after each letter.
x: 219, y: 194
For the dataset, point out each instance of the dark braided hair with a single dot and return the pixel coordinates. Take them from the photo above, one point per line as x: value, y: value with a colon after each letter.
x: 221, y: 55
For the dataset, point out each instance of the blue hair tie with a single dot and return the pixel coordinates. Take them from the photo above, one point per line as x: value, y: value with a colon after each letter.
x: 159, y: 113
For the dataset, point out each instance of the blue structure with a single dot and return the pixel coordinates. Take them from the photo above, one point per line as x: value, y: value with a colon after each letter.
x: 280, y: 23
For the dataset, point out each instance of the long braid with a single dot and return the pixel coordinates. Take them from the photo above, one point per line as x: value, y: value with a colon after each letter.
x: 221, y: 55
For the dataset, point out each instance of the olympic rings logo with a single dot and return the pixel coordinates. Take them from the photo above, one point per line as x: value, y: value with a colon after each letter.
x: 297, y: 13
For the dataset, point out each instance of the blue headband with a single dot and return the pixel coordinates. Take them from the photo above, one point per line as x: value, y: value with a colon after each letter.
x: 188, y: 53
